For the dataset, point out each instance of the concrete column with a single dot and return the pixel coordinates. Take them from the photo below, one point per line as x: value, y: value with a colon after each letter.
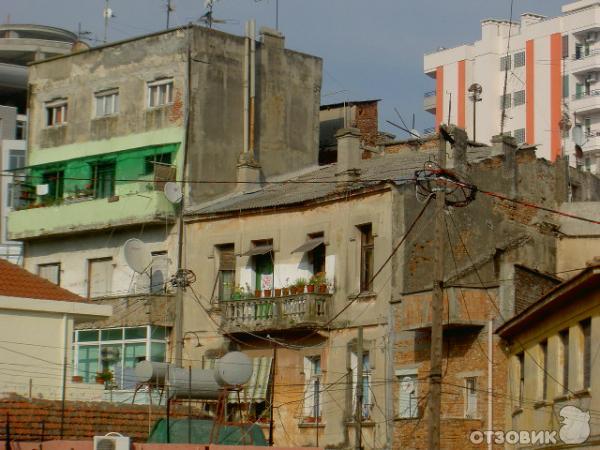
x: 248, y: 173
x: 349, y: 155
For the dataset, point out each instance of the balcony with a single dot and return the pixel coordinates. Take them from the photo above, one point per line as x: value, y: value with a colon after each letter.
x: 463, y: 309
x: 298, y: 311
x: 87, y: 214
x: 587, y: 102
x: 430, y: 101
x: 585, y: 63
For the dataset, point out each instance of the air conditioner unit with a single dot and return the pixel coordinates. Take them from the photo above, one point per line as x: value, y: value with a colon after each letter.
x: 112, y: 441
x: 592, y: 77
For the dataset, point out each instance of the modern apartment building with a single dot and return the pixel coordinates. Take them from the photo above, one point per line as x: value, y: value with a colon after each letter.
x: 109, y: 127
x: 19, y: 45
x: 549, y: 69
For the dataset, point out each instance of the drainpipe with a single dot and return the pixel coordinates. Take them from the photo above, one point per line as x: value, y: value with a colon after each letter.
x: 490, y: 377
x: 64, y: 374
x: 246, y: 87
x: 252, y: 26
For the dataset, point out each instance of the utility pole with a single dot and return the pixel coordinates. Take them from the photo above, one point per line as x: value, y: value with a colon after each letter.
x: 272, y: 395
x: 359, y: 388
x: 180, y: 276
x: 437, y: 299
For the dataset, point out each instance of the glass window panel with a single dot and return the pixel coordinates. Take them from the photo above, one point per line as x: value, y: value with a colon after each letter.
x: 159, y: 332
x: 158, y: 351
x: 135, y: 333
x: 110, y: 356
x: 115, y: 334
x: 134, y: 353
x: 87, y: 362
x: 88, y: 335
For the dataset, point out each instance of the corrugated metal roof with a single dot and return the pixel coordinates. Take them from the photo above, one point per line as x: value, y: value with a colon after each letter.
x: 322, y: 182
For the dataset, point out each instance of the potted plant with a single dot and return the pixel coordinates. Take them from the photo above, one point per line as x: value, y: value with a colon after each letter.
x: 103, y: 377
x: 277, y: 292
x: 257, y: 293
x: 267, y: 292
x: 77, y: 379
x: 299, y: 285
x: 320, y: 281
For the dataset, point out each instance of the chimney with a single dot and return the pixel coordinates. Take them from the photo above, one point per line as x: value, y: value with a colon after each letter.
x: 349, y: 155
x: 457, y: 158
x: 506, y: 146
x: 272, y: 38
x: 528, y: 19
x: 248, y: 174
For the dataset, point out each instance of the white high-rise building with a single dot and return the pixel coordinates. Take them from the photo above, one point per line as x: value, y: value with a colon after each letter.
x: 551, y: 70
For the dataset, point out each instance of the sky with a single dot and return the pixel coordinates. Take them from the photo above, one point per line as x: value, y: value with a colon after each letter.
x: 371, y: 49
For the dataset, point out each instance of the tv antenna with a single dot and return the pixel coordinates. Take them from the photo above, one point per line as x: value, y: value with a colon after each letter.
x: 170, y: 9
x: 137, y: 256
x: 413, y: 132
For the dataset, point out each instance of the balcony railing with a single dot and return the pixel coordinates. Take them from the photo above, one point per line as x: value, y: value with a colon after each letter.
x: 580, y: 56
x: 276, y: 313
x: 581, y: 95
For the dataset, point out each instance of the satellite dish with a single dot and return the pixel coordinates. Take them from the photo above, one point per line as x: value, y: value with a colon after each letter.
x: 476, y: 88
x: 173, y: 192
x: 578, y: 135
x: 415, y: 133
x: 136, y: 255
x: 41, y: 189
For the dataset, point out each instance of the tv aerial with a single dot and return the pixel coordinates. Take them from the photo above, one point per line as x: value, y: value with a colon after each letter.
x: 137, y: 256
x: 208, y: 19
x: 173, y: 192
x: 411, y: 131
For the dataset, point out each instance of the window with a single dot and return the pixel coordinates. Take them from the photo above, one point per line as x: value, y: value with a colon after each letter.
x: 104, y: 180
x: 263, y: 264
x: 587, y: 126
x: 107, y: 102
x: 409, y: 401
x: 117, y: 350
x: 543, y: 370
x: 505, y: 101
x: 565, y: 86
x: 470, y: 397
x: 316, y: 256
x: 56, y: 112
x: 519, y: 59
x: 366, y: 257
x: 56, y: 182
x: 21, y: 130
x: 151, y: 161
x: 519, y: 98
x: 50, y: 272
x: 160, y: 93
x: 226, y: 271
x: 313, y: 394
x: 521, y: 373
x: 100, y: 273
x: 367, y: 403
x: 505, y: 63
x: 159, y: 272
x: 520, y: 135
x: 586, y: 354
x: 565, y: 46
x: 563, y: 337
x: 16, y: 159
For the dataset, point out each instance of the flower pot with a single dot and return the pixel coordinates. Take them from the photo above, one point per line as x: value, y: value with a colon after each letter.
x: 77, y: 379
x: 286, y: 291
x: 300, y: 290
x: 257, y: 293
x: 293, y: 290
x: 277, y: 292
x: 322, y: 288
x: 310, y: 288
x: 267, y: 292
x: 99, y: 380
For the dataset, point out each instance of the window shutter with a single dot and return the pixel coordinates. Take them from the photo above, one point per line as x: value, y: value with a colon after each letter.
x: 565, y: 46
x: 408, y: 396
x: 100, y: 283
x: 308, y: 394
x: 226, y: 258
x: 471, y: 398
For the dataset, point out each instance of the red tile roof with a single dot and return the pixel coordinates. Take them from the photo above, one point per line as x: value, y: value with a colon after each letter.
x: 18, y: 282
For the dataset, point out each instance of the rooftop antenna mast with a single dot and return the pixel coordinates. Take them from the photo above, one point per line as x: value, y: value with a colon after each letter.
x: 506, y: 67
x: 108, y: 14
x: 170, y: 9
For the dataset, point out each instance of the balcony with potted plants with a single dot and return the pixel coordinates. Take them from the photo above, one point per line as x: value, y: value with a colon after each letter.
x: 301, y: 304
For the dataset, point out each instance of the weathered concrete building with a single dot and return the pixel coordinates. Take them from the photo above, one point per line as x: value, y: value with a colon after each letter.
x: 344, y: 220
x: 109, y: 126
x: 554, y: 371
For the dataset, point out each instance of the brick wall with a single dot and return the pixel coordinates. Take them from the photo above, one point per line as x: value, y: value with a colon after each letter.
x: 530, y: 286
x: 366, y: 121
x: 82, y: 419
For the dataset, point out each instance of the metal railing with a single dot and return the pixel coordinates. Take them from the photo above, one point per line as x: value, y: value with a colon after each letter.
x: 271, y: 313
x: 581, y: 56
x: 581, y: 95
